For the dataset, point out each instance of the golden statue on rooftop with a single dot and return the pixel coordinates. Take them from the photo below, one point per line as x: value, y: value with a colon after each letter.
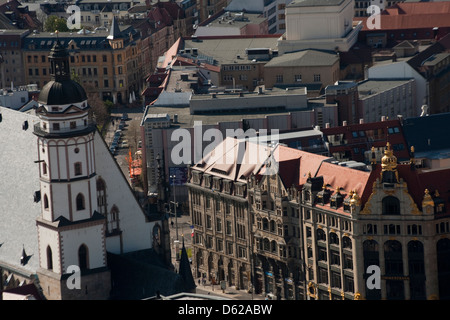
x: 389, y: 161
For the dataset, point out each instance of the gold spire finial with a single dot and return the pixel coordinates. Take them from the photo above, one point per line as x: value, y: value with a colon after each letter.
x: 436, y: 193
x: 412, y: 149
x: 389, y: 161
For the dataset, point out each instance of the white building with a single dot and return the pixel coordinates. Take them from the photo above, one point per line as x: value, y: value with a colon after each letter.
x: 65, y: 202
x: 319, y: 24
x: 402, y: 69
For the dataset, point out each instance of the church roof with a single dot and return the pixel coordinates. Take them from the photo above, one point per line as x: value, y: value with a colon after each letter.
x: 20, y: 204
x: 18, y: 210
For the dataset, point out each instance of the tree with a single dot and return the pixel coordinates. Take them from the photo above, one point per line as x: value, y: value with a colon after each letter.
x: 54, y: 23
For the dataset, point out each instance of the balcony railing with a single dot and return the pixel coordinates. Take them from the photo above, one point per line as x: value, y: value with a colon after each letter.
x: 65, y: 132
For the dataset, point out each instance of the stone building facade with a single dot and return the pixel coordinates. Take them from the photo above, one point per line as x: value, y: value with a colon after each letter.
x: 318, y: 231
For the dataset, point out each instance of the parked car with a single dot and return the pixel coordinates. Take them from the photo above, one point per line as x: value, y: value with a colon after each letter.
x: 124, y: 144
x: 125, y: 116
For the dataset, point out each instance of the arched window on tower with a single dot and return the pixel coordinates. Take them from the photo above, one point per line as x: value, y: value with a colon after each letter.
x: 101, y: 196
x: 391, y: 205
x: 83, y: 262
x: 45, y: 202
x: 113, y: 219
x: 49, y: 258
x: 80, y: 202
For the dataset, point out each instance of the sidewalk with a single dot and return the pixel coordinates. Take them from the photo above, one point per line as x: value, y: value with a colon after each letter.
x: 229, y: 292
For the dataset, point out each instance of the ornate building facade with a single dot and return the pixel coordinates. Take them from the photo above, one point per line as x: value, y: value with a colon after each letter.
x: 317, y: 230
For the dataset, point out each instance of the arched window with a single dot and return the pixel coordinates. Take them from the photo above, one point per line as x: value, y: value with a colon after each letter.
x: 49, y: 258
x: 45, y: 202
x: 101, y: 196
x: 80, y: 202
x: 346, y: 243
x: 266, y: 244
x: 113, y: 219
x: 265, y: 224
x: 391, y: 205
x: 273, y: 246
x: 334, y: 239
x: 371, y: 258
x: 321, y: 235
x: 272, y: 226
x: 394, y: 267
x: 83, y: 257
x: 416, y: 270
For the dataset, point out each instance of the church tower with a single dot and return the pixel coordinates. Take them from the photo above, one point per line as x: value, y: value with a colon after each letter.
x: 71, y: 232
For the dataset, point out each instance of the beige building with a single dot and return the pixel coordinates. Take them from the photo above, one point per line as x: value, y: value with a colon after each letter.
x: 321, y: 231
x: 105, y: 63
x: 302, y: 68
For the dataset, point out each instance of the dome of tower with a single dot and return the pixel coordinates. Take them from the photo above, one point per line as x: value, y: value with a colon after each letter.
x: 62, y: 92
x: 61, y: 89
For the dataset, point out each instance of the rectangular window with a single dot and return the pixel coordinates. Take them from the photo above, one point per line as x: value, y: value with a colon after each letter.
x: 317, y: 78
x: 279, y: 78
x: 219, y: 225
x: 228, y: 228
x: 78, y: 171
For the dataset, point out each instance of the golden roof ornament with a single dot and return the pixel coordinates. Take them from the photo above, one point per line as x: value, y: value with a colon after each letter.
x: 427, y: 199
x: 389, y: 161
x: 436, y: 193
x: 356, y: 200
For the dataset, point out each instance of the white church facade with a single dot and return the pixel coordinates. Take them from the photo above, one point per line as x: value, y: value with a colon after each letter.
x: 64, y: 201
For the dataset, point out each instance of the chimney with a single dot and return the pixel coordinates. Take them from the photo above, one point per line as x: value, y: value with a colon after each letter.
x: 383, y: 118
x: 344, y: 123
x: 361, y: 121
x: 327, y: 125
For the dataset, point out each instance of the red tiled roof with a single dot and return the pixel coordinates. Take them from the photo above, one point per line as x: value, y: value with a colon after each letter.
x: 413, y: 16
x: 419, y: 180
x: 348, y: 179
